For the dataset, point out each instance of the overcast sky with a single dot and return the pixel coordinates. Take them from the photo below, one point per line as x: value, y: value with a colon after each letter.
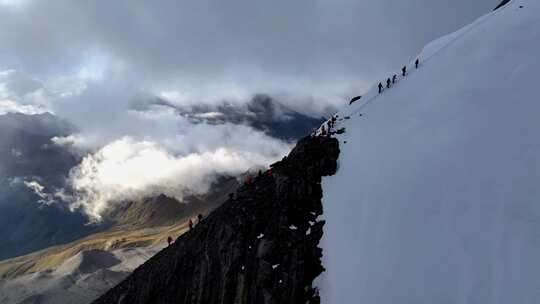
x: 206, y: 50
x: 89, y: 60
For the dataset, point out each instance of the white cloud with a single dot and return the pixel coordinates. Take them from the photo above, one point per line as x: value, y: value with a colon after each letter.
x: 75, y: 142
x: 211, y: 50
x: 23, y: 94
x: 208, y: 115
x: 128, y: 169
x: 14, y: 83
x: 16, y: 153
x: 39, y: 190
x: 10, y: 106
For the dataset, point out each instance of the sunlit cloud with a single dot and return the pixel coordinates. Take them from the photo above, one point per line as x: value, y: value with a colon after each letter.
x: 10, y: 106
x: 128, y: 169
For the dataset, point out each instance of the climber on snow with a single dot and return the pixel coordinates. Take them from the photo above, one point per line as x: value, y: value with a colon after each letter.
x: 380, y: 88
x: 394, y: 78
x: 169, y: 240
x: 416, y: 63
x: 404, y: 71
x: 388, y: 83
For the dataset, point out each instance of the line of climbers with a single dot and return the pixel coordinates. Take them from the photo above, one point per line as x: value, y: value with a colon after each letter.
x: 248, y: 180
x: 327, y: 129
x: 190, y: 224
x: 389, y: 82
x: 394, y: 78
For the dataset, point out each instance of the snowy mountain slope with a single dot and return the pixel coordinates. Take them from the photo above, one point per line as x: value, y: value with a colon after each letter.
x: 437, y: 198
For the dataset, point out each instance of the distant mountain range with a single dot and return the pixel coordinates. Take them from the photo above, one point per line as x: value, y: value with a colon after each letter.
x: 45, y: 124
x: 262, y: 112
x: 80, y: 271
x: 55, y: 246
x: 28, y: 154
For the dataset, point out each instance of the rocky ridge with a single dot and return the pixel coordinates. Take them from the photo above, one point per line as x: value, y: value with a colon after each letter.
x: 260, y: 246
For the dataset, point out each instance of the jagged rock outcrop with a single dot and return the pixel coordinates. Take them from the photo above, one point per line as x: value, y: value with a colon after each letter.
x: 261, y: 246
x: 503, y: 3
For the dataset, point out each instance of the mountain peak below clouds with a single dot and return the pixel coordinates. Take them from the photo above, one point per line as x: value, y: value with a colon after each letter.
x: 45, y: 124
x: 262, y: 113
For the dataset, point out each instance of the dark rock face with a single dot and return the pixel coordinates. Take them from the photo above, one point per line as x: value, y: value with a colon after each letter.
x: 503, y: 3
x: 261, y: 246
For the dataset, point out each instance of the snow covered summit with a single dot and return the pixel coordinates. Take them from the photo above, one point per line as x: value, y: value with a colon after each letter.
x: 437, y: 199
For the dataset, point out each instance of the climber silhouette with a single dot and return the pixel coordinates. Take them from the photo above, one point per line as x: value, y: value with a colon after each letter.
x: 404, y: 71
x: 394, y: 78
x: 416, y: 63
x: 388, y: 83
x: 190, y: 224
x: 169, y: 240
x: 248, y: 180
x: 380, y: 88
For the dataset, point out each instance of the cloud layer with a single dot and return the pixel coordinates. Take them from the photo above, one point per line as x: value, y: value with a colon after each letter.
x: 92, y: 61
x: 209, y: 50
x: 128, y: 169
